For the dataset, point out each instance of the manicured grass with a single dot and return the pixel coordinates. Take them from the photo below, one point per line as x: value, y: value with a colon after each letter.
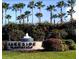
x: 39, y: 55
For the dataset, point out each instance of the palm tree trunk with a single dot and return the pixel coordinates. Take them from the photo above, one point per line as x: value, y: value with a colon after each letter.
x: 71, y: 13
x: 5, y: 17
x: 16, y: 15
x: 39, y: 10
x: 39, y: 19
x: 51, y: 17
x: 20, y: 21
x: 20, y: 14
x: 27, y: 19
x: 61, y: 16
x: 23, y: 21
x: 32, y: 15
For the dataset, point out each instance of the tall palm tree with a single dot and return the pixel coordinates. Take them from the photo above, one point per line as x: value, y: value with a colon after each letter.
x: 60, y: 5
x: 71, y: 4
x: 5, y: 7
x: 31, y: 5
x: 39, y: 15
x: 54, y: 16
x: 23, y: 17
x: 18, y: 18
x: 50, y: 8
x: 8, y: 17
x: 15, y: 8
x: 21, y: 6
x: 39, y: 5
x: 27, y: 13
x: 60, y: 15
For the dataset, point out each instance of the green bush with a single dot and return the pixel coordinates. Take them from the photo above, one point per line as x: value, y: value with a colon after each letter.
x: 38, y: 34
x: 16, y: 35
x: 59, y: 33
x: 54, y: 45
x: 71, y: 44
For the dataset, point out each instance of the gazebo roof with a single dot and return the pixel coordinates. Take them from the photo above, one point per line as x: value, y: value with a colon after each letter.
x: 27, y: 38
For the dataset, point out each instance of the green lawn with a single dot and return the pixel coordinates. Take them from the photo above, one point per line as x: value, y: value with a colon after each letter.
x: 39, y: 55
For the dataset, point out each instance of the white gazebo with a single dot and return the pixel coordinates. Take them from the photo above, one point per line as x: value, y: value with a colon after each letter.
x: 26, y: 42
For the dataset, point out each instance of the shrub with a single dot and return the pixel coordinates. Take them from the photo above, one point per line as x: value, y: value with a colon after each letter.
x: 54, y: 45
x: 56, y: 33
x: 63, y: 33
x: 4, y: 45
x: 38, y: 34
x: 71, y: 44
x: 15, y: 35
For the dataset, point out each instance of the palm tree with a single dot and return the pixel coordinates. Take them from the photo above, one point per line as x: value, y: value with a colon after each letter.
x: 60, y: 5
x: 23, y: 17
x: 27, y: 13
x: 39, y: 15
x: 54, y: 16
x: 21, y: 6
x: 50, y: 8
x: 15, y: 8
x: 18, y: 18
x: 31, y: 5
x: 39, y: 5
x: 8, y: 17
x: 5, y: 7
x: 71, y: 4
x: 60, y: 15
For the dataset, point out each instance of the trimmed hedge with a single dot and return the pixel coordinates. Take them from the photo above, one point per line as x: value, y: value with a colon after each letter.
x: 54, y: 45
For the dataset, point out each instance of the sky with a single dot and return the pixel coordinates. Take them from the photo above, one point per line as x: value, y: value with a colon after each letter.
x: 46, y: 14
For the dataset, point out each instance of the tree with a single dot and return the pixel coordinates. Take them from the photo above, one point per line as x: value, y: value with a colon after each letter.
x: 60, y: 5
x: 15, y: 8
x: 31, y: 5
x: 27, y: 13
x: 39, y: 5
x: 8, y: 17
x: 39, y: 15
x: 71, y: 4
x: 61, y: 15
x: 50, y: 8
x: 5, y: 7
x: 54, y: 16
x: 21, y: 6
x: 19, y: 18
x: 23, y: 17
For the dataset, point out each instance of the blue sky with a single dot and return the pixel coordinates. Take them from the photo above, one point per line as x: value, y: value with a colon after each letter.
x: 46, y: 14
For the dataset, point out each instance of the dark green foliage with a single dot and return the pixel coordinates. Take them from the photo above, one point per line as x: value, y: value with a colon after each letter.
x: 54, y: 45
x: 71, y: 44
x: 15, y: 35
x: 41, y: 31
x: 38, y: 34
